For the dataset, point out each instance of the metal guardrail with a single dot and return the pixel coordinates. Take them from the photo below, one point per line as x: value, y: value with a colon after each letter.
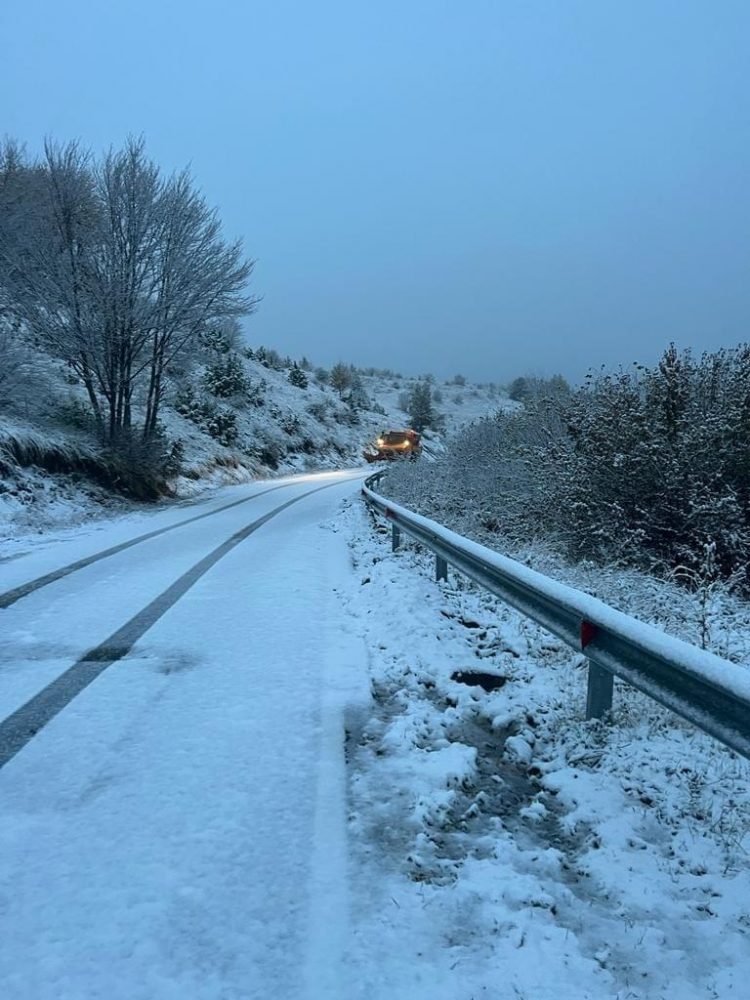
x: 711, y: 693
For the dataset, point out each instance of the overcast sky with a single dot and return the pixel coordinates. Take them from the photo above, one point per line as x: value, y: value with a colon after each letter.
x: 490, y: 188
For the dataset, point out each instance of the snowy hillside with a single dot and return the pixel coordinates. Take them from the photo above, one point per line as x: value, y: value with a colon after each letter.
x: 248, y: 420
x: 459, y: 404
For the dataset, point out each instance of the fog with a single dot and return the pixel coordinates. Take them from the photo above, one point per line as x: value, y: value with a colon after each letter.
x: 486, y: 188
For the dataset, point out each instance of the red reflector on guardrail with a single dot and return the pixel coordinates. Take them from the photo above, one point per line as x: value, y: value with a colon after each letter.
x: 588, y: 631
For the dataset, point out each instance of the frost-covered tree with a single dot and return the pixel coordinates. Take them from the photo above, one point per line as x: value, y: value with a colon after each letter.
x: 226, y: 376
x: 340, y: 378
x: 358, y: 397
x: 421, y: 412
x: 46, y: 258
x: 518, y: 389
x: 297, y: 377
x: 116, y: 270
x: 198, y: 278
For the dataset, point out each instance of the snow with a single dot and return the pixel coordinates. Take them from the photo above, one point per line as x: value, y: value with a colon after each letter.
x: 281, y: 792
x: 55, y: 548
x: 294, y: 430
x: 700, y: 663
x: 577, y: 859
x: 168, y: 813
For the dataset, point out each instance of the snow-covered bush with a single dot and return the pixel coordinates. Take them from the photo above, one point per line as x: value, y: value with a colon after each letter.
x: 320, y: 410
x: 269, y: 358
x: 193, y: 406
x: 220, y: 422
x: 645, y: 467
x: 214, y: 340
x: 73, y: 412
x: 290, y: 423
x: 358, y: 398
x: 660, y: 463
x: 256, y: 393
x: 226, y: 377
x: 348, y: 416
x: 269, y: 447
x: 297, y: 377
x: 174, y: 458
x: 222, y: 426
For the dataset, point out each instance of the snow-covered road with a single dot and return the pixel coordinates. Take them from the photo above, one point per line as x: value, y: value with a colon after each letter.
x: 178, y: 828
x: 183, y: 822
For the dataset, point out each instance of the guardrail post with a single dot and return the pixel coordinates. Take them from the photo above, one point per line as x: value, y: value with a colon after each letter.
x: 441, y: 568
x: 601, y: 681
x: 599, y: 692
x: 395, y: 537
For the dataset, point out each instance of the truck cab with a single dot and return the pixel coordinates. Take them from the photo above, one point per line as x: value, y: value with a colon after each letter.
x: 392, y: 444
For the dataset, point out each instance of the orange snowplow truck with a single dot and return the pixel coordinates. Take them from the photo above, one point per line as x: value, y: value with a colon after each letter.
x: 394, y: 444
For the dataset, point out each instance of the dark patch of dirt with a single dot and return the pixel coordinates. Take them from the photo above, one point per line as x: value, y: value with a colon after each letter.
x: 488, y: 682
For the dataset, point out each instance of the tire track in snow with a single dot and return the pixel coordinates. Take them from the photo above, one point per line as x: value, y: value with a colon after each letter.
x: 11, y: 596
x: 21, y: 726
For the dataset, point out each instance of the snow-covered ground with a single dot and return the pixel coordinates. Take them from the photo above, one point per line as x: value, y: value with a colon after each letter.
x: 279, y: 791
x: 519, y: 851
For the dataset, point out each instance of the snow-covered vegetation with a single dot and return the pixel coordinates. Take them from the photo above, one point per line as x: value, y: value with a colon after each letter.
x: 235, y: 414
x: 644, y: 470
x: 123, y: 366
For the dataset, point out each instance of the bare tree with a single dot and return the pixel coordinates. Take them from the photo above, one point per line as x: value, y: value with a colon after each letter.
x: 46, y: 258
x: 128, y: 189
x: 340, y: 378
x: 198, y: 281
x: 116, y: 271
